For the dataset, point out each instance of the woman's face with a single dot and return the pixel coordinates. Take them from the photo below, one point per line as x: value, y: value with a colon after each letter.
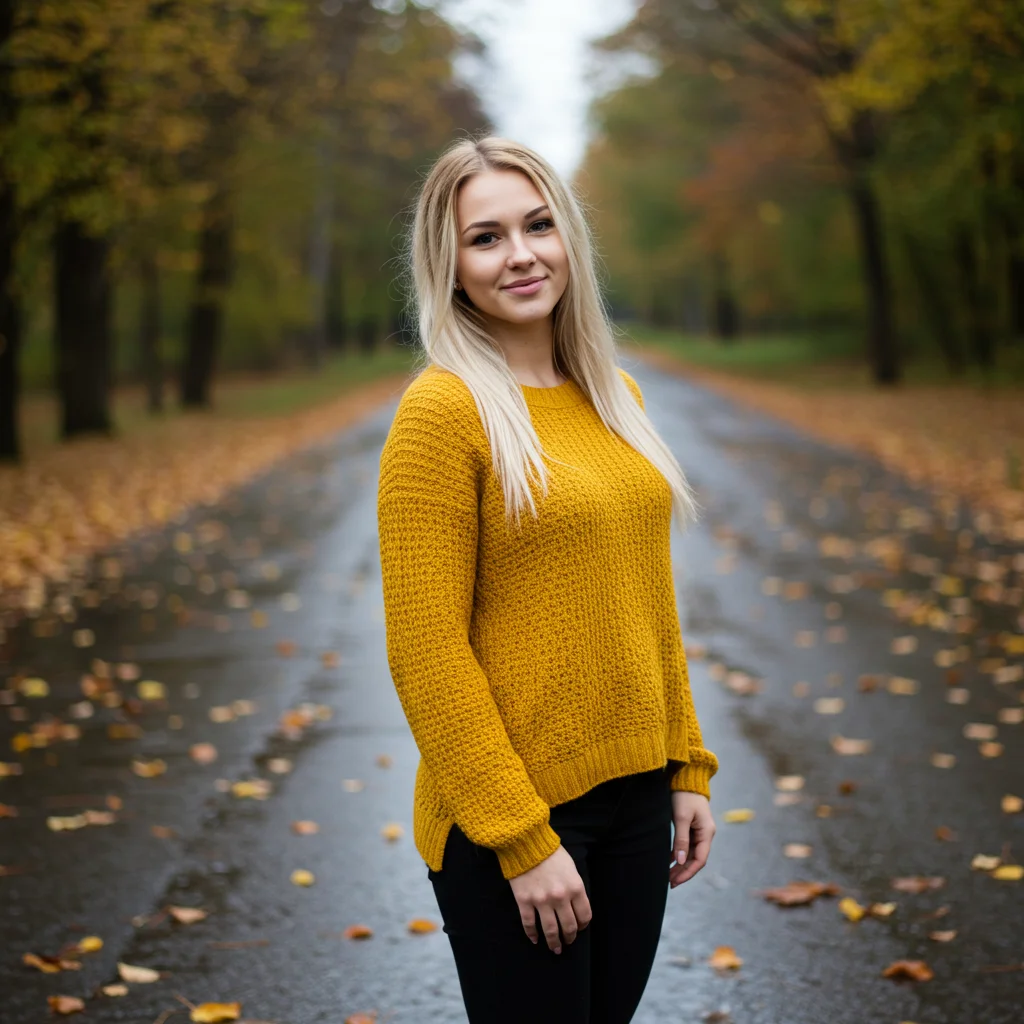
x: 512, y: 263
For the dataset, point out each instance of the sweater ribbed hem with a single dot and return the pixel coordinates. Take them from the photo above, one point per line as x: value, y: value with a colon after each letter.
x: 529, y: 850
x: 624, y: 755
x: 692, y: 778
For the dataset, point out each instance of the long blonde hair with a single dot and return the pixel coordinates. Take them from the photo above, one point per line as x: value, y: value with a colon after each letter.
x: 454, y: 337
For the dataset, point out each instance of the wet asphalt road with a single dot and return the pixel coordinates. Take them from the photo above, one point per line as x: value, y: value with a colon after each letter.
x: 301, y: 543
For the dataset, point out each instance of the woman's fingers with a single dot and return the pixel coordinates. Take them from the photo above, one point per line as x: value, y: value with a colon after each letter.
x: 549, y: 925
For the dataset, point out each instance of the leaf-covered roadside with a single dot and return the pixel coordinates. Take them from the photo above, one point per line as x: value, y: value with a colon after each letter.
x: 71, y: 502
x: 919, y: 432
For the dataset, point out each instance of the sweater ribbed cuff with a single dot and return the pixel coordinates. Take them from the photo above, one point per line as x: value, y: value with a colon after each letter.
x: 693, y: 778
x: 528, y: 850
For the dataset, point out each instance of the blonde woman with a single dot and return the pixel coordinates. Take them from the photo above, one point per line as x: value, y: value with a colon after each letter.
x: 524, y: 509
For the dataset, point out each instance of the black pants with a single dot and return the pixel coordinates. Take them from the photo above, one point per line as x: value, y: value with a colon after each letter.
x: 620, y: 835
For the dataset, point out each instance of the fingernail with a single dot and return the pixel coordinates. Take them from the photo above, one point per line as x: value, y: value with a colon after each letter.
x: 558, y: 949
x: 681, y: 857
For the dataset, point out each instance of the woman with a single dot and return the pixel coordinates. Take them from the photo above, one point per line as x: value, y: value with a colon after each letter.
x: 524, y: 510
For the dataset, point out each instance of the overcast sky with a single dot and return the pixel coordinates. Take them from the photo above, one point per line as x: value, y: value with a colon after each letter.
x: 535, y: 89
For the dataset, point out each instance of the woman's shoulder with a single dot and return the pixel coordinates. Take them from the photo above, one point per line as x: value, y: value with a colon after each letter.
x: 632, y: 385
x: 438, y: 390
x: 438, y: 404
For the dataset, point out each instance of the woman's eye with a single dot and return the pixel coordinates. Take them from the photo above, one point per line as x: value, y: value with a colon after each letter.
x: 541, y: 223
x: 482, y: 239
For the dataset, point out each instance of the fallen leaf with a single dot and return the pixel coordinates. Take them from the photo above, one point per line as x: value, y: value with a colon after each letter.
x: 1009, y: 872
x: 90, y: 944
x: 421, y: 926
x: 65, y: 1004
x: 918, y: 883
x: 945, y: 833
x: 990, y: 749
x: 985, y: 862
x: 1012, y: 804
x: 979, y: 731
x: 116, y: 989
x: 358, y: 931
x: 279, y: 765
x: 305, y: 828
x: 285, y: 648
x: 846, y: 745
x: 50, y: 964
x: 203, y: 753
x: 902, y: 686
x: 846, y: 787
x: 392, y: 831
x: 829, y: 705
x: 187, y: 915
x: 383, y: 761
x: 302, y: 877
x: 162, y: 831
x: 943, y: 760
x: 948, y: 936
x: 738, y: 814
x: 352, y: 785
x: 881, y: 909
x: 724, y: 958
x: 851, y: 909
x: 34, y: 687
x: 330, y: 659
x: 251, y: 789
x: 914, y: 970
x: 221, y: 714
x: 1010, y: 716
x: 795, y: 894
x: 137, y: 975
x: 149, y: 769
x: 789, y: 783
x: 796, y: 850
x: 215, y: 1013
x: 148, y: 689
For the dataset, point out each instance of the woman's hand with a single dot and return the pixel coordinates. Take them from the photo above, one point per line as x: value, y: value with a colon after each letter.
x: 694, y: 829
x: 553, y: 888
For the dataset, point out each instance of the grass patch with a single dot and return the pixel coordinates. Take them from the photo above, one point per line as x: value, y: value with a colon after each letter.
x: 825, y: 359
x: 236, y: 396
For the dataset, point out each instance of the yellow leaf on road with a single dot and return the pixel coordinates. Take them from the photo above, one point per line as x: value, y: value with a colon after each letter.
x: 302, y: 877
x: 851, y: 909
x: 738, y: 814
x: 215, y: 1013
x: 1009, y: 872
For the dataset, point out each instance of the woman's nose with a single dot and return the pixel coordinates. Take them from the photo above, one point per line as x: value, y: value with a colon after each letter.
x: 521, y: 252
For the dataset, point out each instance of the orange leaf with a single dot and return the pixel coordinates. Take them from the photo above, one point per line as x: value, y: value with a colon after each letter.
x: 421, y: 926
x: 65, y: 1004
x: 358, y: 931
x: 915, y: 970
x: 724, y: 958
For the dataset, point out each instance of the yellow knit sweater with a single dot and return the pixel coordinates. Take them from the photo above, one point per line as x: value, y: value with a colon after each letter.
x: 531, y: 663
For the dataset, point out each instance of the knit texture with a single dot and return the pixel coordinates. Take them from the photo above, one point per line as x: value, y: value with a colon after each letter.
x: 534, y: 662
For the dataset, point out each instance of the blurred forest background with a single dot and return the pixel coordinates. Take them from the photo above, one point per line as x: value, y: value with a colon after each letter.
x: 848, y: 174
x: 194, y: 188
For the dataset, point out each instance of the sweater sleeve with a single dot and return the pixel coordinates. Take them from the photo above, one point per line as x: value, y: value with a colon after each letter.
x: 427, y: 511
x: 695, y: 775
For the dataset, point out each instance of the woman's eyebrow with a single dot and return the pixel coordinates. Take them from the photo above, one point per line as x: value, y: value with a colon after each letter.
x: 496, y: 224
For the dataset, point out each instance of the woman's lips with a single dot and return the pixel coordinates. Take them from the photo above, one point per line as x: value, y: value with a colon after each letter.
x: 530, y: 288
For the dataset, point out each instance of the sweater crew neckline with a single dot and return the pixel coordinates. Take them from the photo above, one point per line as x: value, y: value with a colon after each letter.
x: 559, y: 397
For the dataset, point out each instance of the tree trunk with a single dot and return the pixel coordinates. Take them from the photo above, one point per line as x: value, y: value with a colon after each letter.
x: 10, y: 308
x: 980, y: 315
x: 84, y: 338
x: 883, y: 353
x: 149, y: 333
x: 337, y: 325
x: 206, y: 315
x: 725, y: 316
x: 367, y: 332
x: 1015, y: 249
x: 320, y: 253
x: 935, y: 304
x: 10, y: 332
